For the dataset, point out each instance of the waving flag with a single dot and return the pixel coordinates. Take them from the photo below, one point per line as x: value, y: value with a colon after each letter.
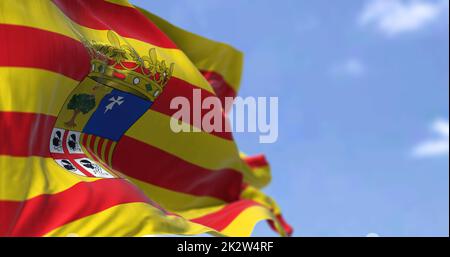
x: 86, y: 145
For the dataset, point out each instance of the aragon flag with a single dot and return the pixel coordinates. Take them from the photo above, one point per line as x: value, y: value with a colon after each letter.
x: 85, y: 142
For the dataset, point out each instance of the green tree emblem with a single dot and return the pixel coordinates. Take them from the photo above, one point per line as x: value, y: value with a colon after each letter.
x: 83, y: 103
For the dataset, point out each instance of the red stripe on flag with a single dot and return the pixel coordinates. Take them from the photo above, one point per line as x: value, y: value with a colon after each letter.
x: 107, y: 150
x: 219, y: 220
x: 25, y: 134
x: 220, y: 86
x: 99, y: 148
x: 30, y: 47
x: 289, y: 230
x: 154, y: 166
x: 126, y: 21
x: 92, y: 143
x: 256, y: 161
x: 177, y: 87
x: 84, y: 140
x: 40, y: 215
x: 91, y: 148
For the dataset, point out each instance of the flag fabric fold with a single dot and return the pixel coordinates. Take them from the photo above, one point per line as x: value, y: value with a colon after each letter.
x: 86, y: 146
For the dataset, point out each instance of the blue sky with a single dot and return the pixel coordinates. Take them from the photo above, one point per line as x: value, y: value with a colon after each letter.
x: 363, y: 90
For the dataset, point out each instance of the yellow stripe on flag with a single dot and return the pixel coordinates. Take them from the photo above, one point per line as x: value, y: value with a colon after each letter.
x: 254, y: 194
x: 186, y: 205
x: 244, y: 223
x: 41, y: 175
x: 33, y: 90
x: 262, y: 174
x: 132, y: 219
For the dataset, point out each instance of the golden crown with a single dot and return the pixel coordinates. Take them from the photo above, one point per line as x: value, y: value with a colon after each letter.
x: 120, y: 66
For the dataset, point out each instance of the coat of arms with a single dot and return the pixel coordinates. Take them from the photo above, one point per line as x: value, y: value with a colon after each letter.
x: 119, y: 89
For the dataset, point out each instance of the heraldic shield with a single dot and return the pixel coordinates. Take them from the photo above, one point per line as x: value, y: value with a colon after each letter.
x: 119, y: 89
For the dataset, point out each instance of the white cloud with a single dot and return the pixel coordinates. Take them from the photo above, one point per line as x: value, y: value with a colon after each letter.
x: 396, y: 16
x: 435, y: 147
x: 351, y: 67
x: 372, y: 235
